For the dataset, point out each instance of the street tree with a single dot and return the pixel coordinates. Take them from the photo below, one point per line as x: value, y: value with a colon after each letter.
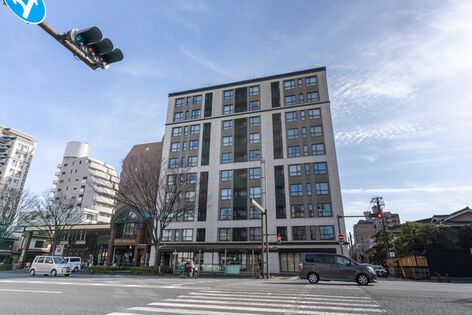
x: 55, y: 218
x: 160, y: 197
x: 13, y: 209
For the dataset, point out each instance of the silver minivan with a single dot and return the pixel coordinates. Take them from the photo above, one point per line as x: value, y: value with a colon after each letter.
x: 49, y: 265
x: 74, y: 262
x: 322, y: 266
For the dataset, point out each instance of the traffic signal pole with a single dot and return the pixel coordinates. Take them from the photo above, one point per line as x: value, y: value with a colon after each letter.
x: 62, y: 39
x: 387, y: 243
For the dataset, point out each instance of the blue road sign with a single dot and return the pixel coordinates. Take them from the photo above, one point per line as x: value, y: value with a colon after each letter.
x: 30, y: 11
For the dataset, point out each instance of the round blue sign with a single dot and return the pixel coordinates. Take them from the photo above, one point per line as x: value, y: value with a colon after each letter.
x: 30, y: 11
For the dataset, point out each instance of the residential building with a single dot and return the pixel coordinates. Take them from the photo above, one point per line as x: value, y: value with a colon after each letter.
x: 129, y: 242
x: 269, y: 139
x: 16, y: 152
x: 364, y: 232
x: 461, y: 217
x: 86, y: 183
x: 390, y: 220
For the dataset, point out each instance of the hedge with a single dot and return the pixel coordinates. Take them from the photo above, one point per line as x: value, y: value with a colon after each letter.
x: 135, y: 270
x: 5, y: 267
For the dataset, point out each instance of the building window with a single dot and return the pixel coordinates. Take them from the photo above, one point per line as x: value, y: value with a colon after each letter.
x: 289, y: 84
x: 304, y: 133
x: 173, y: 163
x: 290, y: 100
x: 255, y: 192
x: 308, y: 189
x: 226, y: 175
x: 327, y: 232
x: 299, y: 233
x: 312, y: 97
x: 176, y: 131
x: 301, y: 98
x: 254, y: 121
x: 224, y: 234
x: 255, y: 173
x: 189, y: 196
x: 192, y: 161
x: 295, y: 170
x: 307, y: 169
x: 226, y: 193
x: 311, y: 81
x: 167, y: 236
x: 324, y: 210
x: 227, y: 141
x: 296, y: 190
x: 227, y: 109
x: 239, y: 234
x: 292, y: 133
x: 193, y: 145
x: 225, y: 214
x: 175, y: 147
x: 254, y: 137
x: 254, y: 105
x: 196, y: 113
x: 312, y: 233
x: 320, y: 168
x: 293, y: 151
x: 316, y: 131
x: 227, y: 95
x: 188, y: 215
x: 314, y: 113
x: 254, y: 155
x: 179, y: 102
x: 291, y: 116
x: 282, y: 232
x: 227, y: 125
x: 297, y: 211
x: 254, y: 213
x: 178, y: 116
x: 254, y: 233
x: 191, y: 178
x: 322, y: 188
x: 226, y: 157
x: 311, y: 211
x: 194, y: 129
x: 201, y: 235
x: 317, y: 149
x: 254, y: 90
x: 197, y: 99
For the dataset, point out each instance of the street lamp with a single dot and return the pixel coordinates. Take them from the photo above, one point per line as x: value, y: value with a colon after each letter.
x: 265, y: 264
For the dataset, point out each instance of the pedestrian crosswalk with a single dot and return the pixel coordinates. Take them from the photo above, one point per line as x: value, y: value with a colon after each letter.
x: 230, y: 301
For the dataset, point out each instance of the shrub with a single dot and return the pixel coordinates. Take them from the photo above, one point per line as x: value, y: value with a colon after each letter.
x: 5, y: 267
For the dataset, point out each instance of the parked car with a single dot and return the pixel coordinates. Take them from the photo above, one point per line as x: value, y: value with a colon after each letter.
x: 323, y: 266
x: 74, y: 262
x: 49, y: 265
x: 380, y: 271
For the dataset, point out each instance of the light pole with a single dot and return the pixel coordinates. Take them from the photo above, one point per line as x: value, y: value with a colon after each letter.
x: 265, y: 262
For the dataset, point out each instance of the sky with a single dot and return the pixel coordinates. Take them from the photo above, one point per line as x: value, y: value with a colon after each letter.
x: 399, y: 77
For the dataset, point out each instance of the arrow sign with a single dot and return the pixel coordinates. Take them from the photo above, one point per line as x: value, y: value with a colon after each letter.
x: 30, y: 11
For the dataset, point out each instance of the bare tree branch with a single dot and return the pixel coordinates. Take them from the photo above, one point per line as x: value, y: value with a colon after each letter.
x: 13, y: 207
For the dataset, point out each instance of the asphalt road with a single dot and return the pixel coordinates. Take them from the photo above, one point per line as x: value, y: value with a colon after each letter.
x: 125, y: 294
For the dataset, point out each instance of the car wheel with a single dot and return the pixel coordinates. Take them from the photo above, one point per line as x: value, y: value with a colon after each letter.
x: 76, y: 269
x: 313, y: 277
x: 362, y: 279
x: 53, y: 272
x: 32, y: 272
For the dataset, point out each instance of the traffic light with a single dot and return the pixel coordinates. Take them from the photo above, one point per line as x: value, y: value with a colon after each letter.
x: 100, y: 50
x: 378, y: 215
x: 279, y: 239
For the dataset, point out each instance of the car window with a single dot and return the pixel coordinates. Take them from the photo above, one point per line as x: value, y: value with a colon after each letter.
x: 48, y: 260
x: 75, y: 259
x: 40, y: 260
x: 324, y: 259
x: 342, y: 261
x: 310, y: 258
x: 59, y: 260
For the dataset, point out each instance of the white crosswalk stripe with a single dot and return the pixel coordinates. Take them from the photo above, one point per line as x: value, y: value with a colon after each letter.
x: 228, y: 301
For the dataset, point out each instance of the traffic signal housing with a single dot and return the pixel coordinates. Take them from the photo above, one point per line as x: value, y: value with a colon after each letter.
x: 98, y: 49
x: 378, y: 215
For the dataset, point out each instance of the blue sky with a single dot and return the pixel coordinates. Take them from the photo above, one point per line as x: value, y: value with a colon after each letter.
x: 399, y: 77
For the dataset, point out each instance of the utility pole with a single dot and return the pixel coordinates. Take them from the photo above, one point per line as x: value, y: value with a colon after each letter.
x: 379, y: 203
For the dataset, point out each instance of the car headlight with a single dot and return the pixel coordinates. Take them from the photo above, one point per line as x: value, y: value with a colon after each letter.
x: 371, y: 269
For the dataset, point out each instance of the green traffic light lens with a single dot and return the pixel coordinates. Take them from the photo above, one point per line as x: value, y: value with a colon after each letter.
x: 80, y: 39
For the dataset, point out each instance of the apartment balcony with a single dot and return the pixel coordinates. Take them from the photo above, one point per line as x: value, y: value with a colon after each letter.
x: 54, y: 182
x: 104, y: 200
x: 57, y: 173
x: 59, y: 165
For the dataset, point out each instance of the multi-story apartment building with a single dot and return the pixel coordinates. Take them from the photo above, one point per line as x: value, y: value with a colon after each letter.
x: 86, y: 183
x: 269, y: 139
x: 390, y: 220
x: 16, y: 153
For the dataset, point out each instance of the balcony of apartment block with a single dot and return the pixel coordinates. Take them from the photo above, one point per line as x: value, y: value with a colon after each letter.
x: 54, y: 182
x: 100, y: 175
x: 104, y: 200
x: 57, y: 173
x: 59, y: 166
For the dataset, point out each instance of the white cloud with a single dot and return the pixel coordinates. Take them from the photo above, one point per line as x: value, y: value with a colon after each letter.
x: 206, y: 62
x: 427, y: 189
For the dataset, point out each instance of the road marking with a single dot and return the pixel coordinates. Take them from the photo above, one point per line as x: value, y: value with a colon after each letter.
x: 192, y: 310
x: 282, y: 302
x: 250, y: 309
x: 233, y: 294
x: 30, y: 291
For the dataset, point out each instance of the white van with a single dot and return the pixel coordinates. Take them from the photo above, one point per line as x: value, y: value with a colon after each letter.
x: 74, y: 262
x: 49, y: 265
